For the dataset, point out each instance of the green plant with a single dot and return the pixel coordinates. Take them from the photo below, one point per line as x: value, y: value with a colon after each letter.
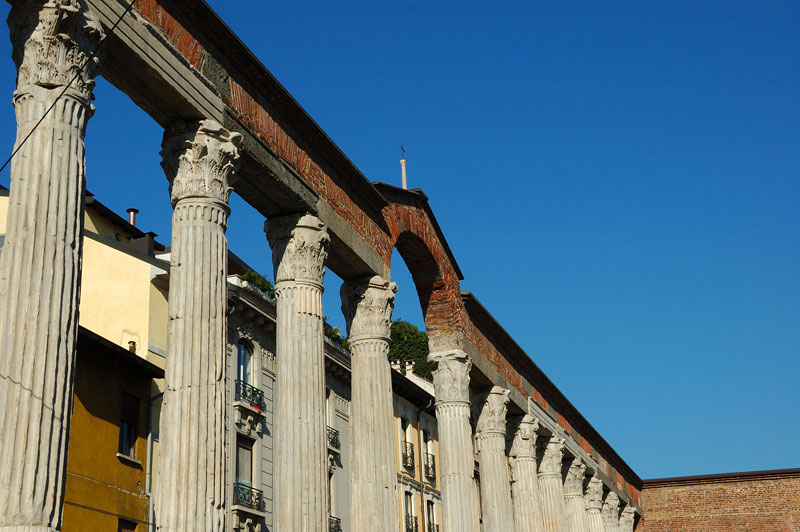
x: 408, y: 343
x: 259, y: 282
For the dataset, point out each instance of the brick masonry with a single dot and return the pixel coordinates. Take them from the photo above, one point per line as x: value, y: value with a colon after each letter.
x: 764, y: 501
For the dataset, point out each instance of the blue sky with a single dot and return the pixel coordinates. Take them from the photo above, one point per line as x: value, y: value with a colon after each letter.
x: 618, y: 182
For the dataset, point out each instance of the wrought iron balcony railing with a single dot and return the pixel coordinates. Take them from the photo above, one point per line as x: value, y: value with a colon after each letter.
x: 249, y: 497
x: 411, y: 523
x: 333, y: 439
x: 250, y: 395
x: 408, y: 454
x: 433, y: 527
x: 335, y: 524
x: 430, y: 465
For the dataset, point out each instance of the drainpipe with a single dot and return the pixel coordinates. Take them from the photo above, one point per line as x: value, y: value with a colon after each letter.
x: 422, y: 468
x: 148, y: 467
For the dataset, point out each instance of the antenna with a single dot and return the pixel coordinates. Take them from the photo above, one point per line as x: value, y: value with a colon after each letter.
x: 403, y: 166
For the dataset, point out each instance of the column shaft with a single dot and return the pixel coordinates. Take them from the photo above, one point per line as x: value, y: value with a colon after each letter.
x: 367, y: 305
x: 574, y: 504
x: 299, y: 248
x: 593, y: 498
x: 498, y: 515
x: 199, y: 160
x: 40, y: 266
x: 524, y: 485
x: 551, y: 488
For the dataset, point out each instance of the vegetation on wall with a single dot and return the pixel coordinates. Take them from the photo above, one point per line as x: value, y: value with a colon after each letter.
x: 408, y: 343
x: 334, y: 334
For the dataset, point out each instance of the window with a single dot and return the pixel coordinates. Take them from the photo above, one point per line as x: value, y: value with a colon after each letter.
x: 126, y: 526
x: 244, y: 363
x: 406, y: 444
x: 408, y: 511
x: 431, y: 513
x: 128, y: 425
x: 244, y: 461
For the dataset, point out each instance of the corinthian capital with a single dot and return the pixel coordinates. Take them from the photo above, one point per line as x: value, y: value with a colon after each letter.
x: 627, y: 519
x: 594, y: 494
x: 551, y: 461
x: 524, y: 445
x: 52, y: 41
x: 450, y: 371
x: 299, y: 247
x: 367, y: 306
x: 611, y: 509
x: 492, y: 418
x: 573, y: 484
x: 200, y: 160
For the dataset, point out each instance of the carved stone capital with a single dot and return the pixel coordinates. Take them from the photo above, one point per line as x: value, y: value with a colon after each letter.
x: 367, y: 306
x: 299, y: 247
x: 611, y: 509
x: 450, y: 371
x: 446, y: 341
x: 492, y: 418
x: 52, y: 41
x: 553, y: 453
x: 200, y: 160
x: 524, y: 444
x: 627, y: 519
x: 594, y: 494
x: 573, y: 483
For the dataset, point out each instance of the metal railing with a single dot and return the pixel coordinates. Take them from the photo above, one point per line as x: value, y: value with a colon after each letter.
x: 250, y: 394
x: 249, y: 497
x: 411, y: 523
x: 408, y: 454
x: 335, y: 524
x: 430, y: 465
x: 333, y: 439
x: 432, y: 527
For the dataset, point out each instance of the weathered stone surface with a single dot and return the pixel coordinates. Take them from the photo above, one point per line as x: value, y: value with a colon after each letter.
x: 299, y: 248
x: 574, y: 505
x: 611, y: 513
x: 498, y: 515
x: 524, y: 485
x: 367, y: 305
x: 593, y: 498
x: 40, y: 267
x: 550, y: 487
x: 199, y: 159
x: 627, y: 519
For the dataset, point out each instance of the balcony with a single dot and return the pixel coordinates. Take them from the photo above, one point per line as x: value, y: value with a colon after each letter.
x: 335, y: 524
x: 333, y: 440
x: 430, y: 466
x: 249, y: 498
x: 433, y: 527
x: 408, y: 454
x: 250, y: 395
x: 411, y: 523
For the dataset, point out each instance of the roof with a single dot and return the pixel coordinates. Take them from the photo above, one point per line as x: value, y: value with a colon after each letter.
x: 110, y: 349
x: 745, y: 476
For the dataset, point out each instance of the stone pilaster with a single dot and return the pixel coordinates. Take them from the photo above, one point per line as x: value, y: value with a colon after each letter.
x: 550, y: 486
x: 611, y: 513
x: 450, y: 370
x: 574, y: 505
x: 627, y: 520
x: 498, y: 514
x: 200, y: 160
x: 593, y: 497
x: 40, y: 268
x: 299, y: 248
x: 367, y: 305
x: 524, y: 485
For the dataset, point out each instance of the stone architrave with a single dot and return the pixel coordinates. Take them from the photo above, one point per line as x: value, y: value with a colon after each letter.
x: 574, y: 505
x: 200, y: 161
x: 627, y: 520
x: 593, y: 497
x: 450, y: 369
x: 611, y: 512
x: 490, y: 436
x: 367, y: 305
x: 40, y: 268
x: 550, y: 486
x: 299, y: 248
x: 524, y: 485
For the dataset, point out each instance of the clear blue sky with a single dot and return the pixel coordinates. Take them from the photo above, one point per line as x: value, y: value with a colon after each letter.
x: 618, y: 182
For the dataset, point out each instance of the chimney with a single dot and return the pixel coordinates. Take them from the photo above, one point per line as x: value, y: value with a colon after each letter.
x: 409, y: 366
x: 403, y: 170
x: 396, y: 365
x: 132, y: 346
x: 132, y: 216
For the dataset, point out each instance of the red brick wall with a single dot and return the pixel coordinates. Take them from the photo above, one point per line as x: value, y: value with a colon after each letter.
x: 747, y: 502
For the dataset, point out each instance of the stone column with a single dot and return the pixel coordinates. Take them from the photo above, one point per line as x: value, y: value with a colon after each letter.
x: 498, y: 514
x: 611, y: 513
x: 299, y: 248
x: 199, y: 159
x: 550, y: 486
x: 593, y: 498
x: 573, y: 498
x: 450, y: 370
x: 627, y: 520
x: 524, y: 486
x: 367, y: 305
x: 40, y: 268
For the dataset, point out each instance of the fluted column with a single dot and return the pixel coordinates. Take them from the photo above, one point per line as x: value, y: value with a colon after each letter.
x: 299, y: 248
x: 627, y: 520
x: 367, y: 305
x: 524, y: 485
x: 200, y: 160
x: 611, y: 513
x: 574, y: 505
x: 498, y: 515
x: 40, y: 268
x: 550, y: 486
x: 593, y: 498
x: 451, y: 386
